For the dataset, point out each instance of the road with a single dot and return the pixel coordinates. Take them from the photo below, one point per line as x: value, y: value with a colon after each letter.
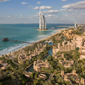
x: 14, y: 62
x: 51, y: 75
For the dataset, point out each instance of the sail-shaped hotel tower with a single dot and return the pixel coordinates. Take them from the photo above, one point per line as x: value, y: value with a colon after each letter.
x: 42, y: 21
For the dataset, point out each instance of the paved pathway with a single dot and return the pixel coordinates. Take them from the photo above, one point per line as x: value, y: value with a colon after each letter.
x: 51, y: 75
x: 14, y: 62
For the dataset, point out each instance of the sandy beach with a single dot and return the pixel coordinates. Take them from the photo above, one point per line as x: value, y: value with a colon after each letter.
x: 58, y: 31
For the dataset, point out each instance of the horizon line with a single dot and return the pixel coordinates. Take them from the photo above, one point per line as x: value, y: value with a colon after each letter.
x: 38, y: 23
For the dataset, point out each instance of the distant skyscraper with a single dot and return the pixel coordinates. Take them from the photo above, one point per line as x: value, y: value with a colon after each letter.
x: 42, y: 21
x: 75, y: 25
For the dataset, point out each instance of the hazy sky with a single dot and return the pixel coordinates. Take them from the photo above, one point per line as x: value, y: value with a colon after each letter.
x: 56, y: 11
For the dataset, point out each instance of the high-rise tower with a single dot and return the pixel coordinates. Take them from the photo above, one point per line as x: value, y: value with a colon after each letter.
x: 42, y: 21
x: 75, y: 26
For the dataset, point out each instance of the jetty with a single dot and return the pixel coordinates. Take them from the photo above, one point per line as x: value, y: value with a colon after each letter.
x: 6, y: 39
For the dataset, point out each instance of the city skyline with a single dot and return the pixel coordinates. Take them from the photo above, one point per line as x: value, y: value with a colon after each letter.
x: 56, y: 11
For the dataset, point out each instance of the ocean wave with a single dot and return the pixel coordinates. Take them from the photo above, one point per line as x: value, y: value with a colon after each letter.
x: 46, y: 35
x: 13, y: 48
x: 18, y: 46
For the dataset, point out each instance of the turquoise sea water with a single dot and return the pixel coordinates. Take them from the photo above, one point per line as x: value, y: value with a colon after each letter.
x: 24, y: 32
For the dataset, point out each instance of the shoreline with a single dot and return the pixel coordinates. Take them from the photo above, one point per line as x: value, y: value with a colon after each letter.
x: 58, y: 31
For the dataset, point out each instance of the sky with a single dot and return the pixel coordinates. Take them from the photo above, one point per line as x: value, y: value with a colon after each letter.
x: 55, y: 11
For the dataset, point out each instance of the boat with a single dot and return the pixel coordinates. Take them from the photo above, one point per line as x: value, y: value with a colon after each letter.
x: 53, y: 28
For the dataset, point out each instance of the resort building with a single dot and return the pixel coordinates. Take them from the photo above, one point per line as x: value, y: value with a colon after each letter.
x: 58, y: 56
x: 42, y: 21
x: 59, y: 37
x: 80, y: 26
x: 63, y: 61
x: 3, y: 65
x: 39, y: 64
x: 69, y: 33
x: 66, y: 63
x: 43, y: 76
x: 78, y: 40
x: 27, y: 74
x: 82, y: 51
x: 68, y: 76
x: 23, y: 56
x: 64, y: 48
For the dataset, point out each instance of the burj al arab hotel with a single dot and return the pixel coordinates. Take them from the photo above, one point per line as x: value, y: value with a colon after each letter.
x: 42, y: 21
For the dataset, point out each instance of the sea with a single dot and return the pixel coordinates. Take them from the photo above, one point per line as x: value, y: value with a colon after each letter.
x: 26, y: 33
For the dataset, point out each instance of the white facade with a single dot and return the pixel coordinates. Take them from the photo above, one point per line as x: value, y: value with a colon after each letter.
x: 75, y: 25
x: 42, y: 21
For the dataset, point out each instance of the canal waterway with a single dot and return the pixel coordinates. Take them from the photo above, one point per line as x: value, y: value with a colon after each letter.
x: 31, y: 67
